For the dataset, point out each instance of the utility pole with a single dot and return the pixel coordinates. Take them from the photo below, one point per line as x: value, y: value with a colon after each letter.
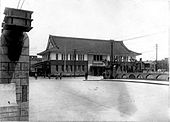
x: 74, y: 62
x: 111, y: 59
x: 156, y: 66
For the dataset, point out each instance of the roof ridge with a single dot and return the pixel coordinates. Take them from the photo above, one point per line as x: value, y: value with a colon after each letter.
x: 89, y: 39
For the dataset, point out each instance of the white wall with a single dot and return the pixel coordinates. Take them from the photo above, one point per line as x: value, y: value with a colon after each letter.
x: 76, y: 57
x: 108, y: 57
x: 85, y: 57
x: 53, y: 56
x: 59, y: 56
x: 68, y: 56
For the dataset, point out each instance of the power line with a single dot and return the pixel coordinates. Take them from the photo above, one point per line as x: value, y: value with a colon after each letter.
x: 22, y: 3
x: 18, y: 3
x: 146, y: 35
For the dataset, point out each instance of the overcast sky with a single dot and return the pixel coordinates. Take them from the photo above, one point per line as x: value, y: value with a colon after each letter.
x: 100, y: 19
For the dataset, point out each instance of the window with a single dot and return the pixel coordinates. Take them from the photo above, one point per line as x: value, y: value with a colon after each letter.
x: 71, y: 57
x: 75, y: 68
x: 94, y: 57
x: 56, y: 56
x: 67, y: 68
x: 66, y: 57
x: 100, y: 57
x: 97, y: 57
x: 62, y: 57
x: 79, y: 56
x: 75, y: 57
x: 71, y: 68
x: 57, y: 68
x: 83, y: 57
x: 63, y: 68
x: 83, y: 67
x: 79, y: 68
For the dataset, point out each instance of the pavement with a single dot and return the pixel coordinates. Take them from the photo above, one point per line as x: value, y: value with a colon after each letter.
x: 74, y: 99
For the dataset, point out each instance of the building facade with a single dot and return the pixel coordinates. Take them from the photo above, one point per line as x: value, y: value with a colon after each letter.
x: 33, y: 60
x: 75, y: 56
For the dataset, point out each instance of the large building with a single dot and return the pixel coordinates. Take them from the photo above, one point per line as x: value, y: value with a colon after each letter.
x: 75, y: 56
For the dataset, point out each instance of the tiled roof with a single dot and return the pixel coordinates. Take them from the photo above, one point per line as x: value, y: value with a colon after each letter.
x: 68, y: 44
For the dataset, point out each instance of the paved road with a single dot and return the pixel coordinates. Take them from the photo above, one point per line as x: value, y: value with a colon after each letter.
x: 72, y: 99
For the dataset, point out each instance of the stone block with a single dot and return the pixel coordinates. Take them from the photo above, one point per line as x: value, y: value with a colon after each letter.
x: 21, y: 74
x: 25, y: 67
x: 18, y: 96
x: 18, y: 90
x: 3, y: 43
x: 26, y: 40
x: 12, y: 108
x: 18, y: 66
x: 24, y: 58
x: 4, y: 66
x: 6, y: 74
x: 11, y: 66
x: 3, y: 109
x: 4, y: 80
x: 25, y: 51
x: 3, y: 50
x: 4, y: 115
x: 24, y: 112
x: 18, y: 74
x: 16, y: 81
x: 24, y: 118
x: 24, y: 81
x: 10, y: 119
x: 14, y: 114
x: 24, y: 105
x: 4, y: 58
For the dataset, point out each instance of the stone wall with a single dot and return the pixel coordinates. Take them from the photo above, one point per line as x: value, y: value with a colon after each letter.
x: 18, y: 73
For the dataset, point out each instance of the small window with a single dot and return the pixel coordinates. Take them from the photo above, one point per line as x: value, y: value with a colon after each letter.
x: 79, y: 68
x: 83, y: 67
x: 67, y: 68
x: 66, y: 57
x: 56, y: 56
x: 63, y: 68
x: 71, y: 68
x: 101, y: 57
x: 62, y: 56
x: 57, y: 68
x: 83, y: 57
x: 71, y: 57
x: 94, y: 57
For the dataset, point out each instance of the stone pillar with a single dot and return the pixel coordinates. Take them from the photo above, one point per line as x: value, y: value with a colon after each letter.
x: 14, y: 63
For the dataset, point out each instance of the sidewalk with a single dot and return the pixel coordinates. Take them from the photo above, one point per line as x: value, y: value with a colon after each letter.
x: 154, y: 82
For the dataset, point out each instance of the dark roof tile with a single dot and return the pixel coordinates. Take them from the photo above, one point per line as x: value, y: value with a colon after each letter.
x: 82, y: 45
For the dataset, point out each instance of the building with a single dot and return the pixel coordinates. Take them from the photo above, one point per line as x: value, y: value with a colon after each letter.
x: 75, y: 56
x: 163, y: 65
x: 33, y: 60
x: 148, y: 66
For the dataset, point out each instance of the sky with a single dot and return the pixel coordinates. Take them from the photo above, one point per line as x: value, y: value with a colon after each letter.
x: 100, y: 19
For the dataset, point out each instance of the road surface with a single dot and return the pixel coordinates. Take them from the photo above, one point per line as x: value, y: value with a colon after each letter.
x: 73, y: 99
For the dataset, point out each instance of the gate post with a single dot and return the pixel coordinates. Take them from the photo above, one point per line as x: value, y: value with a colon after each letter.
x: 14, y: 63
